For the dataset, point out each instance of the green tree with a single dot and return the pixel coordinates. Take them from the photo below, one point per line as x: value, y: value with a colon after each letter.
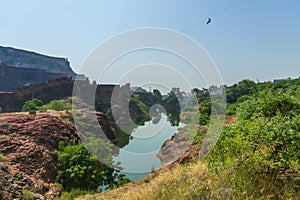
x: 56, y: 105
x: 32, y: 105
x: 173, y: 109
x: 78, y: 168
x: 244, y: 87
x: 81, y: 170
x: 157, y: 97
x: 200, y: 94
x: 138, y: 109
x: 204, y: 112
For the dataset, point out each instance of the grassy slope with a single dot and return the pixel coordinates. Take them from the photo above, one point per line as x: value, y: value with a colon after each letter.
x: 183, y: 182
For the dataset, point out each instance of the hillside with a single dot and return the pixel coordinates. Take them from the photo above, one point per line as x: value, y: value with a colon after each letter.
x: 27, y: 59
x: 256, y: 157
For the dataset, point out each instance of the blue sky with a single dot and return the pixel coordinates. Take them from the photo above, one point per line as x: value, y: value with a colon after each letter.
x: 257, y: 39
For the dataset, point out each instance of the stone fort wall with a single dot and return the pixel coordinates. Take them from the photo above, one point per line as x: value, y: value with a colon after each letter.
x: 58, y: 89
x: 17, y: 76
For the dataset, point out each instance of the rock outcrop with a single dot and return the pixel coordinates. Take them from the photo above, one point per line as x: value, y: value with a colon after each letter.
x: 27, y: 143
x: 9, y: 189
x: 178, y: 149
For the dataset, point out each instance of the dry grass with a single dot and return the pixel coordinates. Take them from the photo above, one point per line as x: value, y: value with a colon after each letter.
x: 196, y: 182
x: 53, y: 112
x: 181, y: 183
x: 13, y: 114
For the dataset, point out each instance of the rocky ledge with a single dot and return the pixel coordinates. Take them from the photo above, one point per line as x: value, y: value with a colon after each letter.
x: 179, y: 148
x: 27, y: 143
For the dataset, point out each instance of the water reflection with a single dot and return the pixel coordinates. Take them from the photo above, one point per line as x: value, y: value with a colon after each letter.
x: 172, y: 106
x: 138, y: 158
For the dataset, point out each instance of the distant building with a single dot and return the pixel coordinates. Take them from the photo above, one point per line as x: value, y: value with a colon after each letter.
x: 278, y: 80
x: 165, y: 96
x: 176, y: 90
x: 139, y: 90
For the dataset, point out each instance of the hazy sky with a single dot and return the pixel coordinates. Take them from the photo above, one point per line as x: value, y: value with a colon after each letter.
x: 255, y: 39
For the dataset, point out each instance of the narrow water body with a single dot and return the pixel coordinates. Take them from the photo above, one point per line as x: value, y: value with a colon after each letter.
x: 138, y: 158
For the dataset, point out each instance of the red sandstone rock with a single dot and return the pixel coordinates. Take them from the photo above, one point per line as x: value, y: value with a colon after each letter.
x: 28, y: 142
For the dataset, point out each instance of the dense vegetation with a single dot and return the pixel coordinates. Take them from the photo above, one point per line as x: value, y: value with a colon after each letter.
x: 259, y: 154
x: 81, y: 170
x: 34, y: 105
x: 256, y: 157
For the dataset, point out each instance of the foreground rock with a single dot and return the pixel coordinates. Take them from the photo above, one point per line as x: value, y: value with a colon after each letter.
x: 27, y: 143
x: 179, y: 148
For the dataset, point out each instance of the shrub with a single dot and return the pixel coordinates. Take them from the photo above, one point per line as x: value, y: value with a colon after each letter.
x: 73, y: 194
x: 81, y: 170
x: 32, y: 105
x: 28, y: 195
x: 56, y: 105
x: 2, y: 157
x: 204, y: 112
x: 32, y: 112
x: 260, y: 152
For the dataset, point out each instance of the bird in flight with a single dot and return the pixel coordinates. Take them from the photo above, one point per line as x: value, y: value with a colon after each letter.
x: 208, y: 20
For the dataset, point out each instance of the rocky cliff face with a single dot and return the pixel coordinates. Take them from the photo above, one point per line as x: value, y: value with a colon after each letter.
x: 27, y: 143
x: 27, y: 59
